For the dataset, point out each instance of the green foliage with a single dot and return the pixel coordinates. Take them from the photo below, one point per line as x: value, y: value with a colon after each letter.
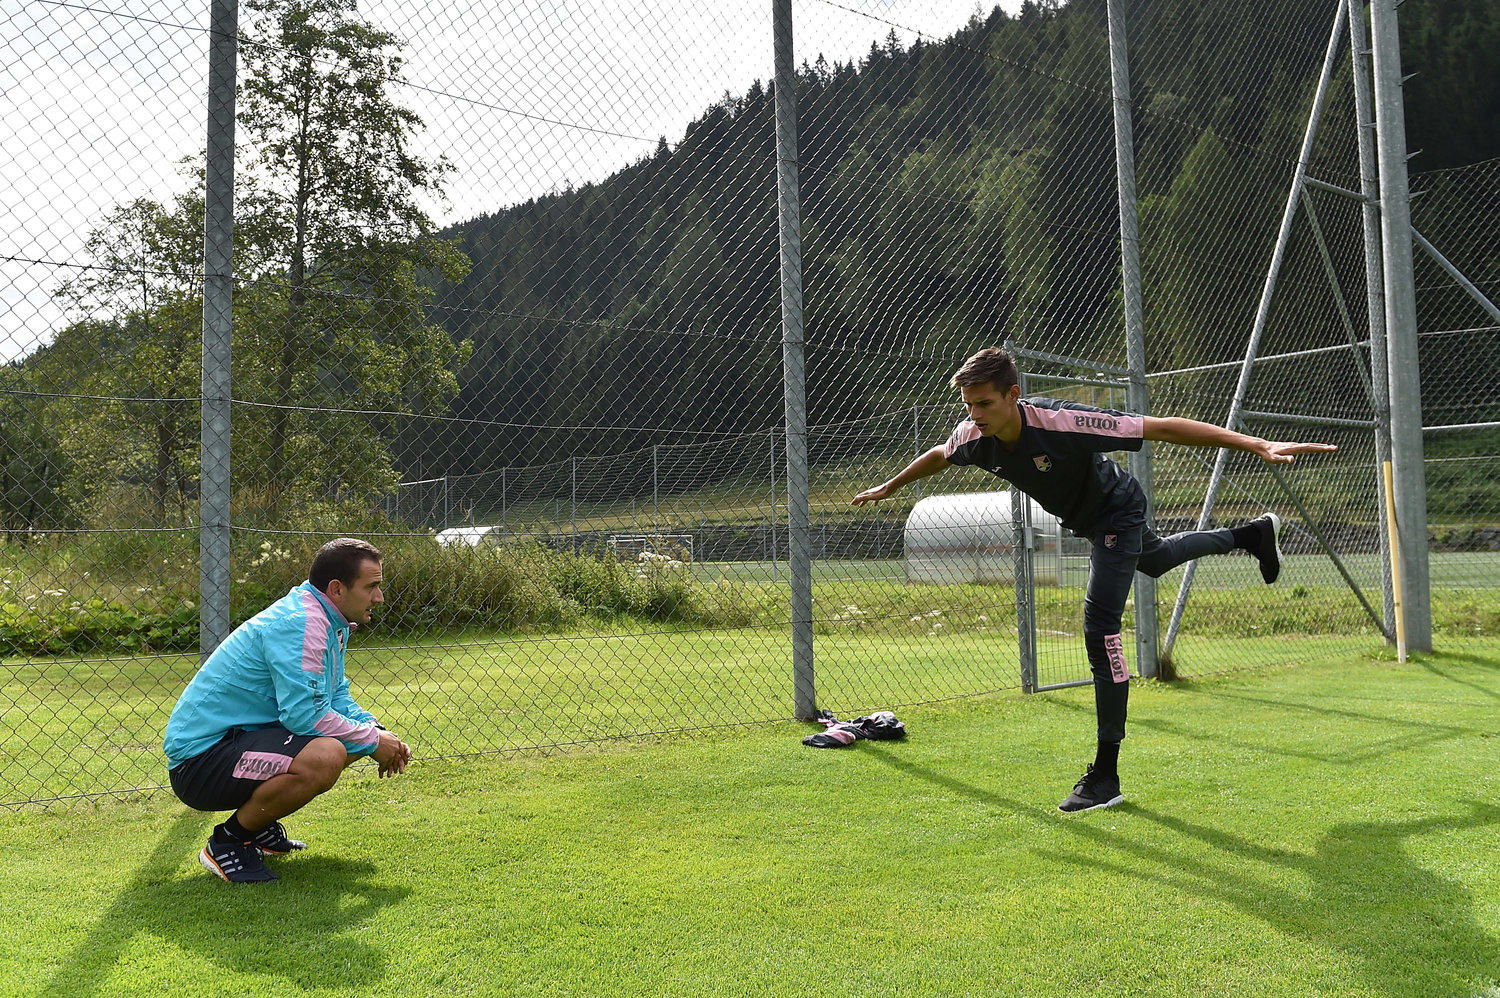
x: 34, y: 469
x: 953, y: 192
x: 336, y: 260
x: 351, y: 249
x: 527, y: 587
x: 93, y: 627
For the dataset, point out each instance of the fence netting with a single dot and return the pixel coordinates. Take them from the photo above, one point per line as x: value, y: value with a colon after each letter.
x: 507, y: 304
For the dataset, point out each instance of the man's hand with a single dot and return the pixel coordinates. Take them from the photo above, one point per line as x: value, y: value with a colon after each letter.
x: 391, y: 754
x: 1284, y: 452
x: 873, y: 495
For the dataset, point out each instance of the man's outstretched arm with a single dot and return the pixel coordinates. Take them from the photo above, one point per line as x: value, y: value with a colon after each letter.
x: 1181, y: 430
x: 930, y: 463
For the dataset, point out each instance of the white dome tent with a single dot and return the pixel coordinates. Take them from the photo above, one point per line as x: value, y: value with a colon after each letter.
x: 971, y: 537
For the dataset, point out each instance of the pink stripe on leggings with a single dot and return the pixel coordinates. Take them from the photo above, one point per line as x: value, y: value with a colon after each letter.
x: 1119, y: 669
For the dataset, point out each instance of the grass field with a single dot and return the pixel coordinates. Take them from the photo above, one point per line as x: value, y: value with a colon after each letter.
x: 1305, y: 830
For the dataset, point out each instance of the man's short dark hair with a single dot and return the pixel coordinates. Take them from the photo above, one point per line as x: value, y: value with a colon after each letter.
x: 990, y: 366
x: 341, y: 559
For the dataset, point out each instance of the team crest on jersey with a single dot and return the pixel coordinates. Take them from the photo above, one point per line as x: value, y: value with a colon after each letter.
x: 1042, y: 462
x: 1109, y: 540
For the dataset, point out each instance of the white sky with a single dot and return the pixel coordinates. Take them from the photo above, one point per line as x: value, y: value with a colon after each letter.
x: 101, y: 100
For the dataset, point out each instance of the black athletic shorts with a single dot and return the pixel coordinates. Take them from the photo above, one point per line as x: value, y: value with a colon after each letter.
x: 225, y: 776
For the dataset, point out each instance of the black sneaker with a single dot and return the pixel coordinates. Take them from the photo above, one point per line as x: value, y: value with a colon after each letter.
x: 1093, y: 790
x: 1267, y: 550
x: 273, y: 841
x: 236, y: 862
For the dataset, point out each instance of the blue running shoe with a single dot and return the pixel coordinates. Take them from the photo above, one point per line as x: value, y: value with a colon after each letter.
x: 273, y: 841
x: 236, y: 862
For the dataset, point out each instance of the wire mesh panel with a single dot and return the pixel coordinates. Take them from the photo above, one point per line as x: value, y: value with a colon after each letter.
x: 506, y: 303
x: 100, y: 285
x: 1284, y: 338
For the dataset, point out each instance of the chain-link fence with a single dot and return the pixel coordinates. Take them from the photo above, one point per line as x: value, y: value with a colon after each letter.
x: 507, y: 302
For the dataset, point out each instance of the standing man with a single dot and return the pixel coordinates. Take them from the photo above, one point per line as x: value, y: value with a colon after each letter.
x: 1054, y: 451
x: 268, y: 724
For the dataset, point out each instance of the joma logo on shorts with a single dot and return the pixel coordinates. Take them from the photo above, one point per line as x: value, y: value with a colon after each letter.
x: 261, y: 765
x: 1096, y: 422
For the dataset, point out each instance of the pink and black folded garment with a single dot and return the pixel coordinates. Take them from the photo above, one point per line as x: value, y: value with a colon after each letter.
x: 879, y: 726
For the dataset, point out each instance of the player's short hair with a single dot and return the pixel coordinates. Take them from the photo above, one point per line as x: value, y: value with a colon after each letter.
x: 341, y: 559
x: 990, y: 366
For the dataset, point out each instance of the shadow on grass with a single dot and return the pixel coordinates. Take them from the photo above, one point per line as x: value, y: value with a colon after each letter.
x: 1405, y: 733
x: 297, y: 929
x: 1427, y: 663
x: 1405, y: 930
x: 987, y: 797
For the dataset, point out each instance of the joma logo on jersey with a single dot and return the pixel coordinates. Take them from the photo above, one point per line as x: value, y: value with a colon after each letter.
x: 1095, y: 422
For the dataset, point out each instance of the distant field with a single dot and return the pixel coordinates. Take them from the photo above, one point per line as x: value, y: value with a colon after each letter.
x: 1465, y: 569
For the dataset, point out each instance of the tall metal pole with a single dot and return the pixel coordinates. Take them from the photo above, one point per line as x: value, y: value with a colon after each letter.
x: 1263, y: 311
x: 1369, y: 188
x: 1410, y: 487
x: 1025, y: 573
x: 799, y: 520
x: 218, y: 329
x: 1138, y: 396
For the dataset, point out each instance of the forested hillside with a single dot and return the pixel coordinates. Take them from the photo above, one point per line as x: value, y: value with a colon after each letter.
x: 953, y: 193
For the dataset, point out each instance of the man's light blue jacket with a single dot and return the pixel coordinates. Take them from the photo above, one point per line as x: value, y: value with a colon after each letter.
x: 285, y: 665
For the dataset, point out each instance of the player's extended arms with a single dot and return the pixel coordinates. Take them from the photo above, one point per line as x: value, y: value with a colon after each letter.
x: 1181, y: 430
x: 930, y: 463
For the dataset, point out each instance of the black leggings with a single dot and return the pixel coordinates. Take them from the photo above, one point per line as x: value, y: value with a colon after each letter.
x: 1112, y: 567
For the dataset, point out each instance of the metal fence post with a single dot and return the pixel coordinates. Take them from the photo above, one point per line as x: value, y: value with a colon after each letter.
x: 1369, y: 187
x: 1021, y: 536
x: 788, y: 200
x: 1410, y: 486
x: 1138, y: 396
x: 218, y: 329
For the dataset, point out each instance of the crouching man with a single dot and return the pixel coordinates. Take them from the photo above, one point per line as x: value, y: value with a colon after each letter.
x: 267, y: 724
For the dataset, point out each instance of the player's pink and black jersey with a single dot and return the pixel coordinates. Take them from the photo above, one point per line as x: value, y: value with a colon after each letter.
x: 1059, y: 461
